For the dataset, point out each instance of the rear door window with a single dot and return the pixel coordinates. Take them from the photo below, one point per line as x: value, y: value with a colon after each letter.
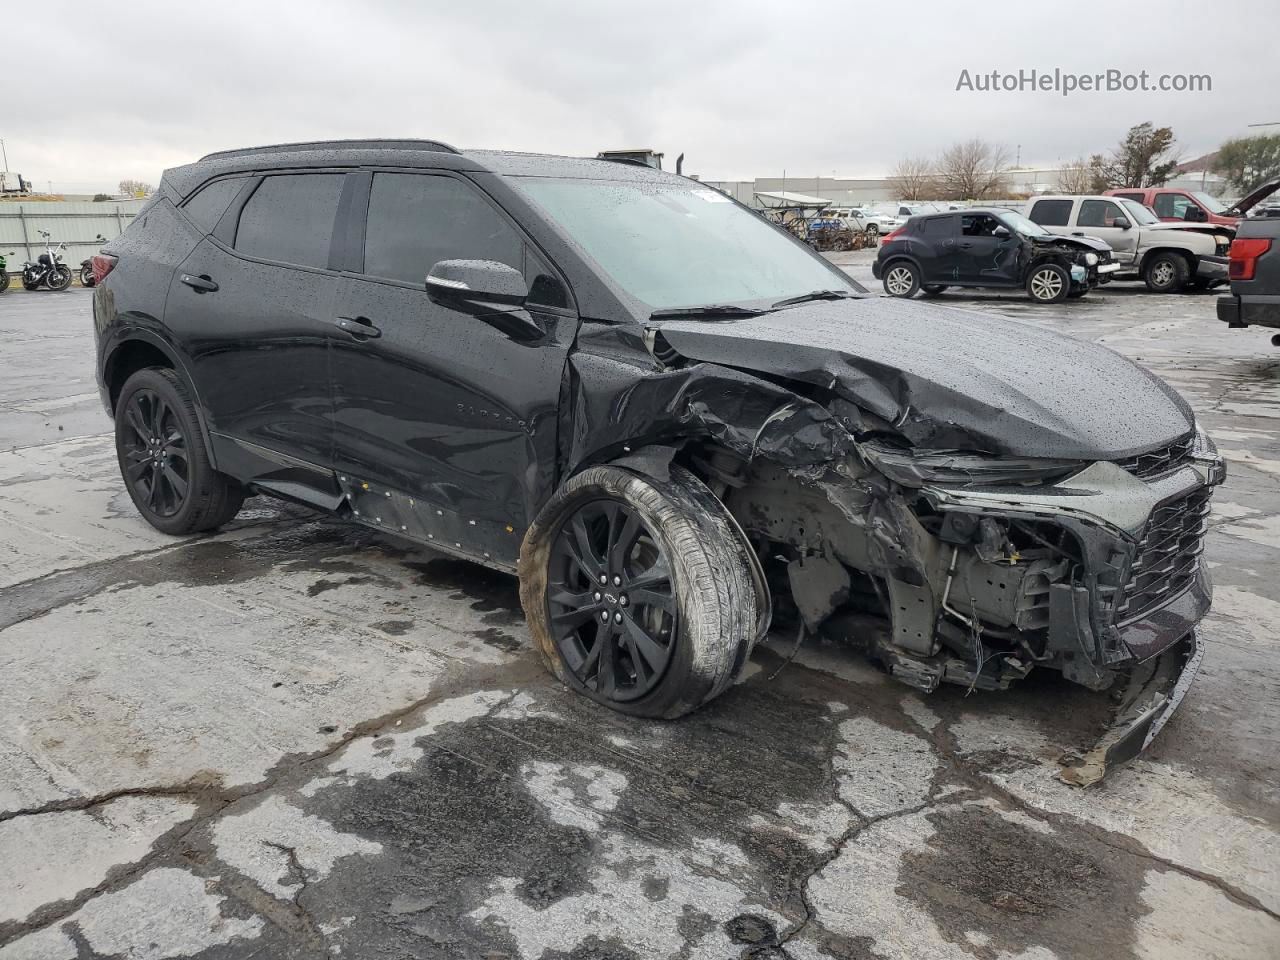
x: 938, y: 228
x: 1051, y: 213
x: 210, y: 203
x: 290, y: 219
x: 1172, y: 204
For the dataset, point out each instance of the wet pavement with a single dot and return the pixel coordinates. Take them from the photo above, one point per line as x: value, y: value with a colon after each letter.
x: 299, y: 739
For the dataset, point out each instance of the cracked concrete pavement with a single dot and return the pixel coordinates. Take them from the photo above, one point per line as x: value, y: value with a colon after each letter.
x: 299, y: 739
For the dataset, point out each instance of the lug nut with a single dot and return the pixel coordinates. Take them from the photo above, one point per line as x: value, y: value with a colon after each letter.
x: 596, y: 596
x: 622, y: 600
x: 604, y: 616
x: 617, y: 581
x: 603, y: 578
x: 617, y: 618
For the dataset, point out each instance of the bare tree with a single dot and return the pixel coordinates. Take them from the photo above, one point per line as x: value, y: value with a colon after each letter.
x: 972, y: 170
x: 1076, y: 177
x: 134, y: 188
x: 913, y: 179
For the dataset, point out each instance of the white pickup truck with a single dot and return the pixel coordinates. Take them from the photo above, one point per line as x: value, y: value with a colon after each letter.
x: 1167, y: 256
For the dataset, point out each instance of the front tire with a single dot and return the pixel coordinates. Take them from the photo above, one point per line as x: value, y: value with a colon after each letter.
x: 638, y: 591
x: 59, y: 278
x: 86, y: 276
x: 163, y: 460
x: 1048, y: 283
x: 1166, y: 273
x: 902, y: 279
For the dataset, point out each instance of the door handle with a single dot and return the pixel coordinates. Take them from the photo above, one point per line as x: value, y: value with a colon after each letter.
x: 361, y: 328
x: 965, y: 246
x: 199, y: 284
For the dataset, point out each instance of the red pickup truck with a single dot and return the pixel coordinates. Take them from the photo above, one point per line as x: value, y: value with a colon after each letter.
x: 1194, y: 206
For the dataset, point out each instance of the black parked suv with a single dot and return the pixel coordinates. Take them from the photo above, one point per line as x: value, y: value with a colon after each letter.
x: 669, y: 417
x: 988, y: 247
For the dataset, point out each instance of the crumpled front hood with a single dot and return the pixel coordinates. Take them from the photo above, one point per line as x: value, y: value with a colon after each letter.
x: 950, y: 379
x: 1084, y: 243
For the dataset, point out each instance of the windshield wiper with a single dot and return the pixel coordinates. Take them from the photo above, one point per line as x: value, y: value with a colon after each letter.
x: 815, y: 295
x: 726, y: 310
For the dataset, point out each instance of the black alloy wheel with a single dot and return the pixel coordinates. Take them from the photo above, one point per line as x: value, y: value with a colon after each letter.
x: 611, y: 600
x: 155, y: 453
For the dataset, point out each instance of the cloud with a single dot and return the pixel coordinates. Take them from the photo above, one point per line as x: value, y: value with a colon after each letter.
x: 743, y: 88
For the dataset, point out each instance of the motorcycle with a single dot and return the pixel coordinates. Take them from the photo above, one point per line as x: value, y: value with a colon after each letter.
x: 4, y: 275
x: 86, y: 268
x: 48, y: 270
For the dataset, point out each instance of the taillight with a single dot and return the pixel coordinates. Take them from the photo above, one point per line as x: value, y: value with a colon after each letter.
x: 103, y: 263
x: 894, y: 235
x: 1245, y: 252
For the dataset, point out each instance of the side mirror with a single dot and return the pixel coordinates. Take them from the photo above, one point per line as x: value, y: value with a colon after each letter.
x: 490, y: 291
x: 1002, y: 232
x: 1121, y: 223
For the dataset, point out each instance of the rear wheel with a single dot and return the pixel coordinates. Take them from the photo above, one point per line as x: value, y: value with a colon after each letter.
x: 1166, y: 273
x: 4, y: 280
x: 638, y: 591
x: 902, y: 279
x: 1049, y: 283
x: 163, y: 460
x: 86, y: 275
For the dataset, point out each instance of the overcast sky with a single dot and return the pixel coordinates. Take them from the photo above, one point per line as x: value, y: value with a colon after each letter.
x: 743, y: 88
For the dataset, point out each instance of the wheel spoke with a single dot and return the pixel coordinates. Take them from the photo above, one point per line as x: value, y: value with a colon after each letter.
x: 581, y: 550
x: 621, y: 546
x: 652, y: 598
x: 177, y: 483
x: 134, y: 471
x: 642, y: 644
x: 134, y: 415
x: 656, y: 575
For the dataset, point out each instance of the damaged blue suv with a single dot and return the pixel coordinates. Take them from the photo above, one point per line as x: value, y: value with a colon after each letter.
x: 672, y: 420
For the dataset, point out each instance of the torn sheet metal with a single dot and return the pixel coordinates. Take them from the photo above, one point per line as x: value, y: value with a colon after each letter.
x: 948, y: 379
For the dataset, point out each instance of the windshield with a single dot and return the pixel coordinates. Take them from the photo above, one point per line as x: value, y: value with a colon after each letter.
x: 1020, y: 224
x: 1212, y: 204
x: 1138, y: 213
x: 679, y: 245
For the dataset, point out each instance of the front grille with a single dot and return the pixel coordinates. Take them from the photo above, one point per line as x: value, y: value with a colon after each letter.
x: 1168, y: 555
x: 1155, y: 463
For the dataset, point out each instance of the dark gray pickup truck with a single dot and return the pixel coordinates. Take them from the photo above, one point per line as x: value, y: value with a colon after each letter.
x: 1254, y: 271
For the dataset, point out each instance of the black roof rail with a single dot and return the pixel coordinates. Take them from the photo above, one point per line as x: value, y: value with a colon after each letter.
x: 432, y: 146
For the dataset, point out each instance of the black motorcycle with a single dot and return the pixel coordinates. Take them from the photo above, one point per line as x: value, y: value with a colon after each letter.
x: 4, y: 274
x: 48, y: 270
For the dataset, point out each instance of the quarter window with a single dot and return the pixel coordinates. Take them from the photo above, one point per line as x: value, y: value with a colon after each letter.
x: 290, y: 219
x: 939, y: 226
x: 1052, y: 213
x: 207, y: 207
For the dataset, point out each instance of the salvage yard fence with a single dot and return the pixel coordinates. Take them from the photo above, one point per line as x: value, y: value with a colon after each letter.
x: 78, y: 224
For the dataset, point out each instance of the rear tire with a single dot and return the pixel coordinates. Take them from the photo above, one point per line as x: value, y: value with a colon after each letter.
x: 901, y: 279
x: 1166, y: 273
x: 1048, y: 283
x: 671, y: 625
x: 163, y: 458
x: 4, y: 281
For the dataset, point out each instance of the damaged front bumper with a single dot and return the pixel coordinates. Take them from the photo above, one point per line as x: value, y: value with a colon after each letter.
x: 1155, y: 690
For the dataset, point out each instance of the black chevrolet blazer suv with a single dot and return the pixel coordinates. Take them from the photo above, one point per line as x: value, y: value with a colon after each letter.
x: 672, y: 420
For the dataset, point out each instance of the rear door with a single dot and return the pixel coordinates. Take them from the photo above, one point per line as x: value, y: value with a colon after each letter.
x: 443, y: 426
x: 254, y: 303
x: 937, y: 253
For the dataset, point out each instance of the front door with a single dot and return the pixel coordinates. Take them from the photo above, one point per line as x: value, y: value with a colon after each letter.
x: 985, y: 258
x: 1100, y: 217
x: 444, y: 427
x: 253, y: 305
